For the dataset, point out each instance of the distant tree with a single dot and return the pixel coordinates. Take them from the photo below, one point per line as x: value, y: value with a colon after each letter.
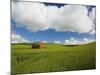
x: 38, y: 45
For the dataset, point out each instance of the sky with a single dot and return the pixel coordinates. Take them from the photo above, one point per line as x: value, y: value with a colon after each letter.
x: 51, y: 22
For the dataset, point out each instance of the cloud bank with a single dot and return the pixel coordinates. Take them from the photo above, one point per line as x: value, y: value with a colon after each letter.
x: 16, y: 38
x: 39, y: 17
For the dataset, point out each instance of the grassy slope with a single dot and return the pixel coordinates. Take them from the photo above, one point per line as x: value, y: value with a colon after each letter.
x: 53, y: 57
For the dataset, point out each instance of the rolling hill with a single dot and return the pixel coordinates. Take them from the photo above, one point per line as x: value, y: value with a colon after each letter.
x: 52, y: 58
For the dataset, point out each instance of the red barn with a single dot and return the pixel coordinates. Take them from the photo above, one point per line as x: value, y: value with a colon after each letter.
x: 41, y: 45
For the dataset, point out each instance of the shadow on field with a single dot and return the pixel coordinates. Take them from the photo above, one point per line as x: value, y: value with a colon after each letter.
x: 70, y: 45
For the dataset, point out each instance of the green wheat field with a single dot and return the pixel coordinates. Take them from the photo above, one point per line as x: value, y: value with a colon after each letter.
x: 52, y: 58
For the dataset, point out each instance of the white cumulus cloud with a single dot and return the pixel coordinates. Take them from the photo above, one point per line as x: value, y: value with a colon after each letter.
x: 30, y: 15
x: 92, y: 14
x: 16, y: 38
x: 73, y: 18
x: 38, y: 17
x: 73, y: 41
x: 57, y: 42
x: 93, y: 32
x: 44, y: 41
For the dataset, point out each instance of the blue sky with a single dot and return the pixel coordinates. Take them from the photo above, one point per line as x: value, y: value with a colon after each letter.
x: 50, y: 34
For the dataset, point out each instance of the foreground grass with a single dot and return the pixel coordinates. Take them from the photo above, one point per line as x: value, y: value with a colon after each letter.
x: 54, y: 57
